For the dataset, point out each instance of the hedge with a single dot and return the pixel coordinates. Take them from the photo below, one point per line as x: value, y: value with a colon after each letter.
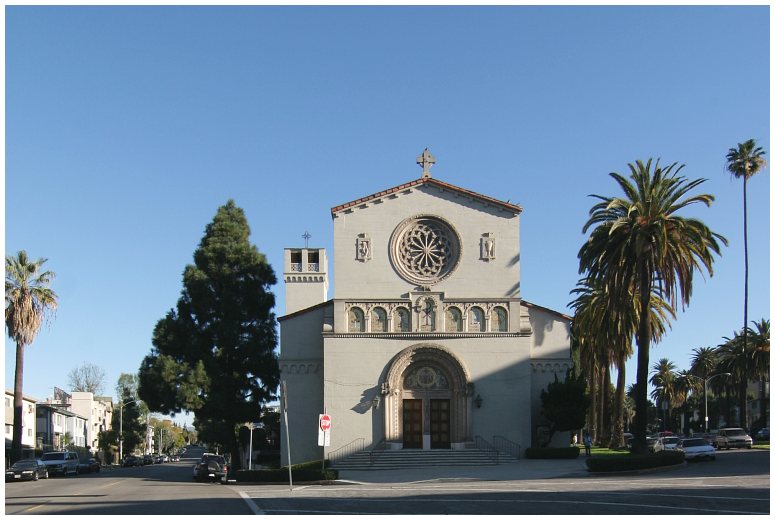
x: 635, y: 462
x: 571, y: 452
x: 306, y: 472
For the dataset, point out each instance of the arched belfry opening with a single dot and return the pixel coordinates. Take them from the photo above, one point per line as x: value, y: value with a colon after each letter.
x: 428, y: 399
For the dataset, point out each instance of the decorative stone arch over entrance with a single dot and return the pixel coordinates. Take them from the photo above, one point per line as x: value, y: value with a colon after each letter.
x: 427, y: 393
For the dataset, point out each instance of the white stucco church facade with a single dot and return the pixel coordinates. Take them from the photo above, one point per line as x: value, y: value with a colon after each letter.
x: 426, y: 342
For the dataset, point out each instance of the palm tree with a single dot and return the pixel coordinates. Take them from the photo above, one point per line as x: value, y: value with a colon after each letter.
x: 745, y: 161
x: 28, y: 299
x: 760, y: 349
x: 665, y: 391
x: 640, y: 245
x: 608, y: 322
x: 687, y: 385
x: 704, y: 362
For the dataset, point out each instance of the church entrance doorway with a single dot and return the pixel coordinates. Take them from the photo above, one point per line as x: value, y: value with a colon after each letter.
x: 439, y: 424
x: 428, y: 398
x: 413, y: 423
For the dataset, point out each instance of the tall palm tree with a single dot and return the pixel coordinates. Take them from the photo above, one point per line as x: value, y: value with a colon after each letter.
x: 28, y: 299
x: 639, y: 244
x: 745, y: 161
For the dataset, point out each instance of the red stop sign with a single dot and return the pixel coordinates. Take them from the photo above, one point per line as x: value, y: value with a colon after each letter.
x: 325, y: 422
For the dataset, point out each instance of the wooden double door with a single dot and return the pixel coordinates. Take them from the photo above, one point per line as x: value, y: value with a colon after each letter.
x: 436, y: 422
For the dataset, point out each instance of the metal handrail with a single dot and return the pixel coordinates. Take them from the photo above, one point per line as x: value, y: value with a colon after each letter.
x: 503, y: 444
x: 379, y: 448
x: 487, y: 448
x: 346, y: 450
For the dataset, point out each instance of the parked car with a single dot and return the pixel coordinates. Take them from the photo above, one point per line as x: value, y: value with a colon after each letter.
x: 696, y: 449
x: 131, y: 461
x: 147, y: 459
x: 733, y: 438
x: 211, y: 467
x: 763, y: 434
x: 61, y: 462
x: 26, y: 469
x: 89, y: 466
x: 654, y: 444
x: 670, y: 443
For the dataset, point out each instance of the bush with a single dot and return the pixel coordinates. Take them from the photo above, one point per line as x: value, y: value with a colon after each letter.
x: 571, y: 452
x: 635, y: 462
x: 306, y: 472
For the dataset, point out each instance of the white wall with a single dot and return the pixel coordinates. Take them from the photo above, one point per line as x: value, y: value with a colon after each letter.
x: 472, y: 278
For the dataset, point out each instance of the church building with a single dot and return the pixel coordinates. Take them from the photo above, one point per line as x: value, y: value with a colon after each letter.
x: 426, y: 342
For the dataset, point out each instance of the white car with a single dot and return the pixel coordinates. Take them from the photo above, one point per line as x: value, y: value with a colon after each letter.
x: 61, y: 462
x: 733, y: 438
x: 697, y: 449
x: 670, y: 443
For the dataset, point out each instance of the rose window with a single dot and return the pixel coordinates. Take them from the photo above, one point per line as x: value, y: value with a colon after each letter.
x: 425, y: 250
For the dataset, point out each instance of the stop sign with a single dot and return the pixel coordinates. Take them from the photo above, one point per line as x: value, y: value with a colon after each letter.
x: 325, y: 422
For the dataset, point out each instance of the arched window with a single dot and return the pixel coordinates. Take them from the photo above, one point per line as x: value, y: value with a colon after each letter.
x: 401, y: 320
x: 476, y: 321
x: 499, y: 321
x: 379, y: 320
x: 454, y: 320
x: 356, y: 322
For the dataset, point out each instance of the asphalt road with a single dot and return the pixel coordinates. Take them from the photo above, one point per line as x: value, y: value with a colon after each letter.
x: 157, y: 489
x: 737, y: 482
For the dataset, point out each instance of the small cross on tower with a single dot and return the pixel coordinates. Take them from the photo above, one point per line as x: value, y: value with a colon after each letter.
x: 426, y: 160
x: 306, y: 236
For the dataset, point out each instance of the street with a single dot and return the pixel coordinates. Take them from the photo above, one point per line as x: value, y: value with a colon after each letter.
x: 738, y: 482
x: 157, y: 489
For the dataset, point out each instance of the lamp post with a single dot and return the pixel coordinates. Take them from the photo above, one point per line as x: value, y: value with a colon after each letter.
x: 121, y: 429
x: 705, y: 381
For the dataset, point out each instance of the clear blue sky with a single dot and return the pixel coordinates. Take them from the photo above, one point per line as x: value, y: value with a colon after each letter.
x: 126, y: 128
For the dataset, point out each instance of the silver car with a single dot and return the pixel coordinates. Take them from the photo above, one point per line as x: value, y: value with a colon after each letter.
x: 733, y: 438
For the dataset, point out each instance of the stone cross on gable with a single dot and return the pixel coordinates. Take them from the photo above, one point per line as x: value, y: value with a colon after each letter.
x: 426, y: 160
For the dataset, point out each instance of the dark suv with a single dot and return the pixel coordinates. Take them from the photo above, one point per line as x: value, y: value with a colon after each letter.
x: 211, y: 467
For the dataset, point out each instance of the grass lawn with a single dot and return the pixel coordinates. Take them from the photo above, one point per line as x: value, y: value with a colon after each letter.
x: 765, y: 445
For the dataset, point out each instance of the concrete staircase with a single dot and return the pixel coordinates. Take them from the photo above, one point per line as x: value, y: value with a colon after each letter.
x: 404, y: 459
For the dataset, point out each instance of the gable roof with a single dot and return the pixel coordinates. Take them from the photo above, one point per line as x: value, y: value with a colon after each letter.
x: 546, y: 309
x: 429, y: 181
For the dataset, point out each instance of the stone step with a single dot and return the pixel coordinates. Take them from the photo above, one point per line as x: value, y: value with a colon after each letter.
x: 399, y: 459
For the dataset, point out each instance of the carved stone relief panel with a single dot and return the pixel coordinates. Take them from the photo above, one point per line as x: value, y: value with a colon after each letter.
x: 363, y: 247
x: 487, y: 246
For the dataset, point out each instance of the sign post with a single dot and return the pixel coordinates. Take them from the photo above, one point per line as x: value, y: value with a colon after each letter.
x: 287, y: 434
x: 324, y: 436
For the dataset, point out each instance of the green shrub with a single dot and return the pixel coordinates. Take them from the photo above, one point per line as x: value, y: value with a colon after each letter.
x: 571, y: 452
x: 305, y: 472
x: 635, y: 462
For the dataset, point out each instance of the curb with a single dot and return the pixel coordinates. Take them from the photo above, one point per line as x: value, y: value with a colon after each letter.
x: 638, y: 471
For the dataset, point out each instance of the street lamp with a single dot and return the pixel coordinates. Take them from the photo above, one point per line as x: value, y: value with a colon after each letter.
x: 705, y: 381
x: 121, y: 429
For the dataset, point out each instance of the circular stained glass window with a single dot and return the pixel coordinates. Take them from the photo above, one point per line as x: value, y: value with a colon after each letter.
x: 425, y: 250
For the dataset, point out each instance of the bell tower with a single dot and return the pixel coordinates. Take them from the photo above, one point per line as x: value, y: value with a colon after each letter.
x: 305, y: 271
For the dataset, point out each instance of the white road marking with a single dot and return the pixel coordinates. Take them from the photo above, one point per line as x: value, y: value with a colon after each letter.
x: 250, y: 502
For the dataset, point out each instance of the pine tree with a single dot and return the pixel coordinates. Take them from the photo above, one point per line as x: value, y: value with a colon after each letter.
x: 215, y: 354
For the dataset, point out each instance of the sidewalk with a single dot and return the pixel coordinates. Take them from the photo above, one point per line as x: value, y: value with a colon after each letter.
x: 523, y: 469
